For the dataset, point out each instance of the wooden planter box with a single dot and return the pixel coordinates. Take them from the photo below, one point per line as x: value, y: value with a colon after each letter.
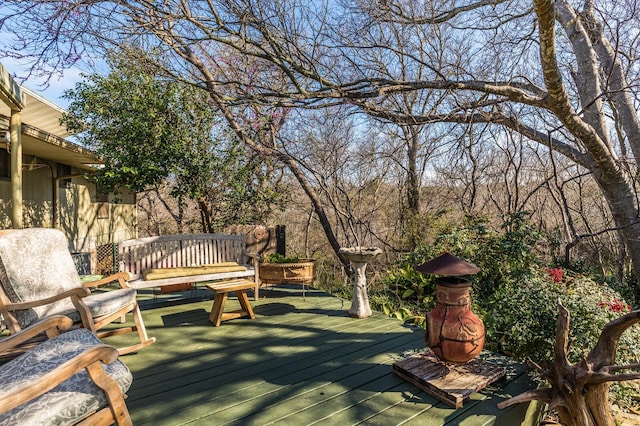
x: 276, y: 273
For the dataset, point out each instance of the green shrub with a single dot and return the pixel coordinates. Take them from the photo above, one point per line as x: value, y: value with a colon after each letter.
x: 522, y: 318
x: 407, y: 294
x: 408, y: 284
x: 279, y: 258
x: 503, y: 257
x: 514, y: 294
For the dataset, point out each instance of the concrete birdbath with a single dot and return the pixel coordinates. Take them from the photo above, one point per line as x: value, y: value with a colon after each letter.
x: 359, y: 257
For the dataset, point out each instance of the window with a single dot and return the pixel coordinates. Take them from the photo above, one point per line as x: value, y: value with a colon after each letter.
x: 102, y: 198
x: 5, y: 164
x: 64, y: 170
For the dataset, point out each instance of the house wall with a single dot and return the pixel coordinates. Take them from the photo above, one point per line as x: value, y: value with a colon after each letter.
x: 87, y: 222
x: 36, y: 199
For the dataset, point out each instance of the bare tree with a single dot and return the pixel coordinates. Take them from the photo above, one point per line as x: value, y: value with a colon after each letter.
x: 501, y: 62
x: 342, y: 160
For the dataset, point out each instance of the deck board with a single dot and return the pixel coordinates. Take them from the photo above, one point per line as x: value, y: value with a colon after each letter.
x: 299, y: 362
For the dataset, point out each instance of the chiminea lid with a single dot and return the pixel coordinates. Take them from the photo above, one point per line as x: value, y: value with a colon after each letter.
x: 448, y: 264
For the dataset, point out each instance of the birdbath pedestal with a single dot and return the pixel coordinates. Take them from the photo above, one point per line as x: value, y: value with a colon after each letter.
x: 359, y: 257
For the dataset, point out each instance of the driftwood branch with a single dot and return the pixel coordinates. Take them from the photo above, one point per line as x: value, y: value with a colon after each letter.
x: 532, y: 395
x: 580, y: 391
x: 602, y: 378
x: 604, y: 353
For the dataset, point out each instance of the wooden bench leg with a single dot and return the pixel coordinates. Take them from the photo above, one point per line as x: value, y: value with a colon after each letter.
x: 216, y: 310
x: 244, y: 303
x: 218, y: 315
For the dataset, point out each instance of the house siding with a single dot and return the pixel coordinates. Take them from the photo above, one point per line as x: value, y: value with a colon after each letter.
x: 78, y: 213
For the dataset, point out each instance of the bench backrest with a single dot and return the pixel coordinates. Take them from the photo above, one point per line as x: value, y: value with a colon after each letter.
x: 179, y: 250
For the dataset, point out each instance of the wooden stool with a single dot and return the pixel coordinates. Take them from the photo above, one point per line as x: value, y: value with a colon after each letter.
x: 222, y: 289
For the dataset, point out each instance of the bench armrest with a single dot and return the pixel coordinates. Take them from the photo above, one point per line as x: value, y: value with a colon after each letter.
x: 251, y: 254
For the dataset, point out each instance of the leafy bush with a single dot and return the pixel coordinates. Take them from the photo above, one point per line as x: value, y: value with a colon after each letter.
x: 408, y: 284
x: 408, y: 294
x: 279, y: 258
x: 522, y: 322
x: 514, y: 293
x: 504, y: 258
x: 523, y: 318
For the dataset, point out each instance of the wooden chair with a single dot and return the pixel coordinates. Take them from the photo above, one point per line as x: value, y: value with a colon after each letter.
x: 68, y: 379
x: 38, y: 279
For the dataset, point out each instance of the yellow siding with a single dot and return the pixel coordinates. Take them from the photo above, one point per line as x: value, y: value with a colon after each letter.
x: 5, y: 207
x: 80, y: 220
x: 77, y: 211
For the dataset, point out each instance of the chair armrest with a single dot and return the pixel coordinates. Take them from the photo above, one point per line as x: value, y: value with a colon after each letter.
x: 49, y: 325
x: 123, y: 279
x: 53, y: 378
x: 78, y: 292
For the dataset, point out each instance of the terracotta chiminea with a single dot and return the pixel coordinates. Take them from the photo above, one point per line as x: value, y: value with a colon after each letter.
x: 454, y: 333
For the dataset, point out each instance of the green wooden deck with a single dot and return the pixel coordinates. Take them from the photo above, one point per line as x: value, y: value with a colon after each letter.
x: 300, y: 362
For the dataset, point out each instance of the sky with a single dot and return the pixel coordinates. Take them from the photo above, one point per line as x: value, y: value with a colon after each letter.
x: 57, y: 85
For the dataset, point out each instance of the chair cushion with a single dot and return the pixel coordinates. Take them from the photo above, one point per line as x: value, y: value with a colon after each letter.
x: 70, y: 401
x: 108, y: 302
x: 36, y: 263
x: 103, y: 303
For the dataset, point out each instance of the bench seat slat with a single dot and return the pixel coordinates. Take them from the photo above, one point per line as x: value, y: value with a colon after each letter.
x: 230, y: 286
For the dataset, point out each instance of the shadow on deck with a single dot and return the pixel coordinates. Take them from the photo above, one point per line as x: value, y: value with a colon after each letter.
x: 300, y: 362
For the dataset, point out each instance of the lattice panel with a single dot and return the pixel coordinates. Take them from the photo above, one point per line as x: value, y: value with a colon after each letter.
x: 107, y: 264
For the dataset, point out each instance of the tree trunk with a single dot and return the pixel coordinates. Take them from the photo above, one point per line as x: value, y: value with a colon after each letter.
x: 319, y: 210
x: 413, y: 180
x: 622, y: 202
x: 205, y: 214
x: 616, y: 185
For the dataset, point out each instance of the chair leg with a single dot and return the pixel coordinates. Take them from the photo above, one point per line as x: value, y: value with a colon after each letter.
x: 145, y: 340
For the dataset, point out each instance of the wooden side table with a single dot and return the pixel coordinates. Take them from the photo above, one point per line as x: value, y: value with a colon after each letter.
x: 222, y: 289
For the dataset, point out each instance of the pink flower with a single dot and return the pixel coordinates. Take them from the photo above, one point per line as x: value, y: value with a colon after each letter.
x: 615, y: 305
x: 555, y: 274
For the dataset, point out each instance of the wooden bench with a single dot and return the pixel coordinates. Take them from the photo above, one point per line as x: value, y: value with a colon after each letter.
x: 222, y: 289
x: 187, y: 258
